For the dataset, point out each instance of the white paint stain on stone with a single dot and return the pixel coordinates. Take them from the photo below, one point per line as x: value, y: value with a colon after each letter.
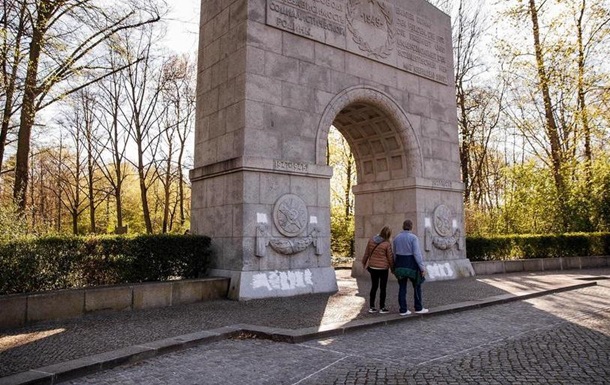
x: 260, y: 280
x: 282, y: 280
x: 261, y: 218
x: 440, y: 270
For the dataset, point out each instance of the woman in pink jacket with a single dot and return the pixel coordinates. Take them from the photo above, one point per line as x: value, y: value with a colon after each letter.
x: 379, y: 260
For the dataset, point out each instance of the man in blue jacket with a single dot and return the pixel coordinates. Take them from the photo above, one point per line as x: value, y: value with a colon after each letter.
x: 408, y: 266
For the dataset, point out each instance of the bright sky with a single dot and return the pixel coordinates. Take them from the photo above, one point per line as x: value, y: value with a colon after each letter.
x: 183, y: 25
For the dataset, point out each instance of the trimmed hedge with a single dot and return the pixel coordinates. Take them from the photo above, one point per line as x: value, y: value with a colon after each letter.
x: 50, y: 263
x: 499, y: 248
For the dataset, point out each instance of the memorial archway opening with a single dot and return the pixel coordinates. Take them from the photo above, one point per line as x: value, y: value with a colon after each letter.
x: 376, y: 129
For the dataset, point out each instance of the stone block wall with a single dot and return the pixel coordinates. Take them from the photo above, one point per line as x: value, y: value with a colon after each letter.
x: 21, y: 309
x: 540, y: 264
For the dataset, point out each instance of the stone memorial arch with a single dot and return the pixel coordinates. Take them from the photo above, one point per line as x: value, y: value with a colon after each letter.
x: 273, y: 76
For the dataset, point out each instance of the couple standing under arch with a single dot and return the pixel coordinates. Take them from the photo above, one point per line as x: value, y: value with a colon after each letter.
x: 403, y: 257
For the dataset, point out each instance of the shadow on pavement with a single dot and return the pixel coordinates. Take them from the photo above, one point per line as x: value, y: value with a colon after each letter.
x: 60, y: 341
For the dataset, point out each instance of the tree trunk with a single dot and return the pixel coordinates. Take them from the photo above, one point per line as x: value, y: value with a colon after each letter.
x: 59, y: 190
x: 551, y: 124
x: 75, y: 222
x: 166, y: 191
x: 181, y: 186
x: 90, y: 162
x: 119, y: 206
x: 118, y: 171
x: 10, y: 80
x: 91, y: 188
x: 466, y: 139
x: 144, y: 191
x: 145, y: 207
x: 582, y: 105
x: 28, y: 106
x: 28, y: 112
x: 348, y: 186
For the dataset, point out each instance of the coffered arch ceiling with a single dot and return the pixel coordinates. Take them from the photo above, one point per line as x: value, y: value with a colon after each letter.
x: 374, y: 142
x: 378, y: 131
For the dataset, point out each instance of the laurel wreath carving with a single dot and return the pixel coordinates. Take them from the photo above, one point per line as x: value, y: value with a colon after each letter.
x: 381, y: 52
x: 445, y: 243
x: 290, y: 246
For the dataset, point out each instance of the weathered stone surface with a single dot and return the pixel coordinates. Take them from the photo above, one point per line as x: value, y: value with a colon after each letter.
x: 380, y: 72
x: 187, y: 291
x: 55, y: 305
x: 150, y: 297
x: 111, y: 298
x: 12, y: 311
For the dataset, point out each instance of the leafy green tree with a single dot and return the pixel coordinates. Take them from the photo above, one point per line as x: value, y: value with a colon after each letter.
x: 11, y: 225
x: 554, y: 100
x: 342, y: 233
x: 342, y: 199
x: 530, y: 205
x: 600, y: 193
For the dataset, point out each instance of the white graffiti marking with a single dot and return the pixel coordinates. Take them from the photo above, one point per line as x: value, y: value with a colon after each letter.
x: 282, y: 280
x: 439, y: 270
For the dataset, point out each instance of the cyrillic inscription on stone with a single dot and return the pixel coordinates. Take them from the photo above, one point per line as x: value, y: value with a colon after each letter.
x: 407, y: 34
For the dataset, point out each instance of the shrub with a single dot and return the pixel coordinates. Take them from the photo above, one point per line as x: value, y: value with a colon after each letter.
x: 507, y: 247
x: 48, y: 263
x: 342, y: 235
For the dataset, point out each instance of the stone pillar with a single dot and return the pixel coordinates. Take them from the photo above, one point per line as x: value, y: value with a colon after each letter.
x: 270, y: 226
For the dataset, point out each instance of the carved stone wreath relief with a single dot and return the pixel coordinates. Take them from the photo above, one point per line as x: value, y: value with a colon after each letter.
x: 442, y: 220
x: 365, y: 14
x: 291, y: 219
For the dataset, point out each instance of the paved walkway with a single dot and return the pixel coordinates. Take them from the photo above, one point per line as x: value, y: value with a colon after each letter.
x: 60, y: 350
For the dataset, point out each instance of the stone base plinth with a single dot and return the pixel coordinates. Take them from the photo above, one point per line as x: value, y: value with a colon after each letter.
x: 246, y: 285
x: 451, y: 269
x: 436, y: 270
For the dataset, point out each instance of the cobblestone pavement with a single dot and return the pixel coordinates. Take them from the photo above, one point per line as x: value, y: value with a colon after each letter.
x: 562, y: 338
x: 53, y: 342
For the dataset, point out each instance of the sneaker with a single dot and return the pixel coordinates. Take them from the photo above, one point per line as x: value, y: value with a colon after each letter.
x: 384, y: 310
x: 406, y: 313
x: 421, y: 311
x: 372, y: 310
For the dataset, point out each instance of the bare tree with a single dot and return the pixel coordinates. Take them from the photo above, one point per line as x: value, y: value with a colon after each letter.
x: 71, y: 186
x: 144, y: 85
x: 179, y: 98
x: 468, y: 28
x: 478, y: 103
x: 166, y: 168
x: 54, y: 60
x: 95, y: 194
x: 112, y: 144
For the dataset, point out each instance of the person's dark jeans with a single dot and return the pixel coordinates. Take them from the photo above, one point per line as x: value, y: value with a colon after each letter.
x: 379, y: 279
x: 402, y: 295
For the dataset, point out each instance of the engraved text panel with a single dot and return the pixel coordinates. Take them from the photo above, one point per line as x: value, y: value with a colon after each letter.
x: 408, y: 34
